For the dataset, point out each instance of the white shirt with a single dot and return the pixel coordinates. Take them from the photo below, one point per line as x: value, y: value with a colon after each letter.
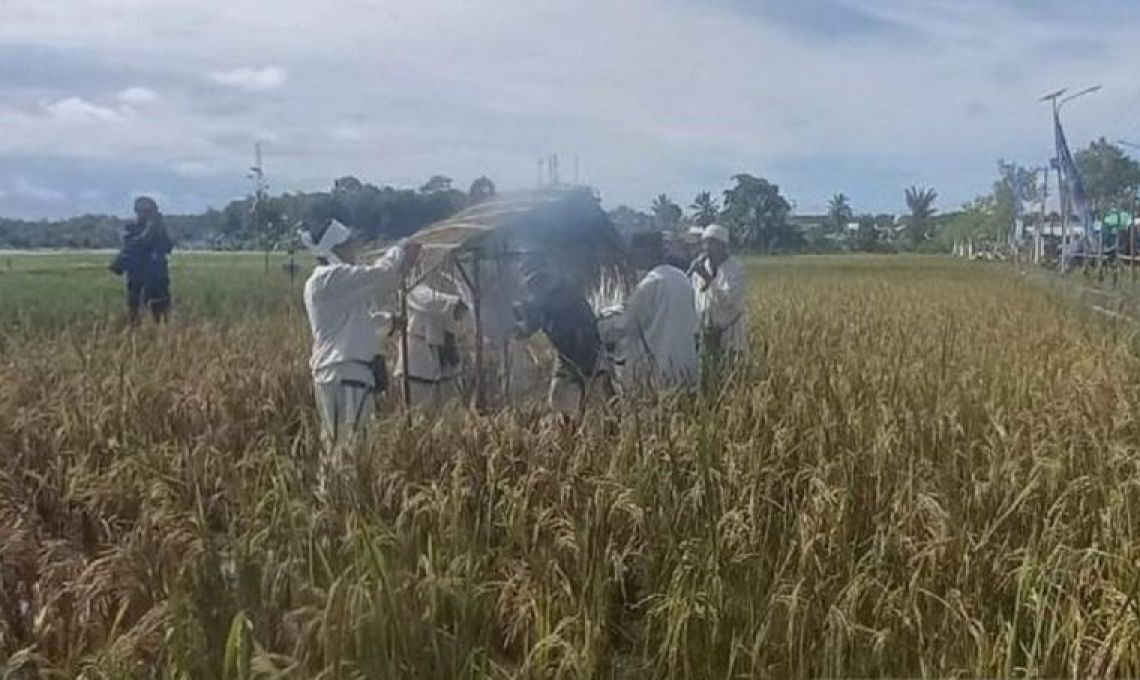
x: 723, y: 304
x: 431, y: 315
x: 658, y: 332
x: 338, y: 298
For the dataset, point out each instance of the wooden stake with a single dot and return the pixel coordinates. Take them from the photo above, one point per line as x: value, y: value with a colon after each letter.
x: 1132, y: 237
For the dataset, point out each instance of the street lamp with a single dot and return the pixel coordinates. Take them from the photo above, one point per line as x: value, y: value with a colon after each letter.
x: 1087, y: 90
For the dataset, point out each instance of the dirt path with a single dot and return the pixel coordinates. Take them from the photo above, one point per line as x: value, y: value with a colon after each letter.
x: 1121, y: 302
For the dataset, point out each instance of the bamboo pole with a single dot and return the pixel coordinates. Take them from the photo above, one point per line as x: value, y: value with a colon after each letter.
x: 472, y: 284
x: 405, y: 379
x: 478, y: 311
x: 1100, y: 251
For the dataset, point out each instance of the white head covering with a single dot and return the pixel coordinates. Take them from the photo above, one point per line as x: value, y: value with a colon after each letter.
x: 335, y: 235
x: 715, y: 232
x: 693, y: 235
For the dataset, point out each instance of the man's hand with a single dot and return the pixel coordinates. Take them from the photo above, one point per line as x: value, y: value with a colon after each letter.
x: 701, y: 269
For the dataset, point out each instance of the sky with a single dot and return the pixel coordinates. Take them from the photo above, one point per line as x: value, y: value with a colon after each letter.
x: 101, y: 100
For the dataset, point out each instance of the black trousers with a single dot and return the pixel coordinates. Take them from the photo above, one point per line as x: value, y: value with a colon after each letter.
x: 152, y: 292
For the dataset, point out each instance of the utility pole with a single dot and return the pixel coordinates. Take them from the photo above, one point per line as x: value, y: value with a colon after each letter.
x: 1038, y: 242
x: 575, y: 169
x: 257, y: 210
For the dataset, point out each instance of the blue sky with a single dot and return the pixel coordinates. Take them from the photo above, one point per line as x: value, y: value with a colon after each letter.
x: 103, y: 99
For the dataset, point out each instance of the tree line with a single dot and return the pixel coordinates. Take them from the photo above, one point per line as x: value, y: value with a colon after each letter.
x: 254, y: 223
x: 759, y: 217
x: 1110, y: 177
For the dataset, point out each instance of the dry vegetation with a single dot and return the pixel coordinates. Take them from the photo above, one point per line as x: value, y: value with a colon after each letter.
x: 928, y: 468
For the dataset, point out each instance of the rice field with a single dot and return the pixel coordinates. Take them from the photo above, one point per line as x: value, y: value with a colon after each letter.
x: 926, y: 468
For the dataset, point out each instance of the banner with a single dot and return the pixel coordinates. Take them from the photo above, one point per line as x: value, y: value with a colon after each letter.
x: 1072, y: 179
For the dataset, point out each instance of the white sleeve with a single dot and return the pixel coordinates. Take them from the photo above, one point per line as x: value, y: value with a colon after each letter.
x: 372, y: 281
x: 726, y: 295
x: 426, y: 299
x: 383, y: 320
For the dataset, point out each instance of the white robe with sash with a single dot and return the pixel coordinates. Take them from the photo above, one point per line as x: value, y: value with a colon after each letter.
x: 656, y: 333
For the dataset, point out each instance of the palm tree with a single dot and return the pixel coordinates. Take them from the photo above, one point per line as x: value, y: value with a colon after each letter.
x: 839, y: 212
x: 756, y: 213
x: 920, y: 202
x: 705, y: 209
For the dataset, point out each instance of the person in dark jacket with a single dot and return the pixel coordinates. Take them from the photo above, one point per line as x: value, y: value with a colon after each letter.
x: 566, y: 318
x: 142, y: 258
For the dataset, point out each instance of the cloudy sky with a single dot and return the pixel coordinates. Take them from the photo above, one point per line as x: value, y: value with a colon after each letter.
x: 102, y: 99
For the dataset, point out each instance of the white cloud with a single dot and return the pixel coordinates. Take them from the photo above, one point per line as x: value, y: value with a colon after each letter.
x: 652, y: 95
x: 137, y: 96
x: 347, y: 132
x: 194, y: 168
x: 252, y: 79
x: 22, y: 187
x: 79, y: 110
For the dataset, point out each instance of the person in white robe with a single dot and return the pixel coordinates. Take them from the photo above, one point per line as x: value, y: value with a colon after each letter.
x: 432, y: 363
x: 656, y: 331
x: 721, y: 294
x: 340, y: 297
x: 509, y: 369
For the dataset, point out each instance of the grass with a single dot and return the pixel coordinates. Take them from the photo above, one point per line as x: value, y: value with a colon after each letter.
x: 47, y: 293
x: 926, y: 468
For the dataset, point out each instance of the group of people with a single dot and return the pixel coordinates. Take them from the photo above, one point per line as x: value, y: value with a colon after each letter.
x: 689, y: 303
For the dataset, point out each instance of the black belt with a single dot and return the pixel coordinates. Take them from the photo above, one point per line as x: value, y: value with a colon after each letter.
x: 360, y: 384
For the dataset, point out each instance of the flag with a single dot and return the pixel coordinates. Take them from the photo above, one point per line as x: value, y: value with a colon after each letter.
x: 1072, y: 177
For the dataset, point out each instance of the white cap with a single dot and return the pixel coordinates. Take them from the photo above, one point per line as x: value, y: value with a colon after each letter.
x: 715, y: 232
x: 693, y: 235
x: 336, y: 234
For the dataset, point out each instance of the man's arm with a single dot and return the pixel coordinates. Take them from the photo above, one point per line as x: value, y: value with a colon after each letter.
x: 701, y: 268
x: 426, y: 299
x: 726, y: 295
x: 381, y: 278
x: 386, y: 322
